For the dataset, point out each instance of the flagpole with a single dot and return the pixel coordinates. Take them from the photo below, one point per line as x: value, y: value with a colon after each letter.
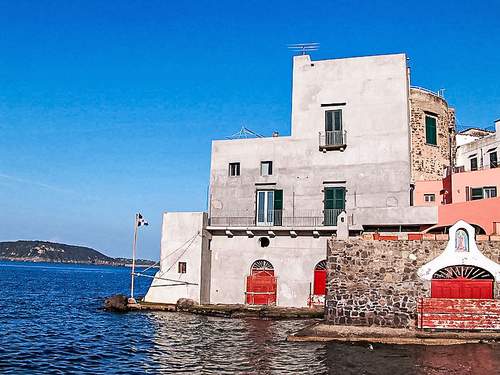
x: 134, y: 245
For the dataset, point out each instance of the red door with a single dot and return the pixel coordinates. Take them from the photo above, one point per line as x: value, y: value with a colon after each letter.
x: 462, y: 288
x: 261, y: 284
x: 319, y: 282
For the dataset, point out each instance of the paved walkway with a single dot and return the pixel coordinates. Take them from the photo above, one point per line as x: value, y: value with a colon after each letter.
x: 385, y: 335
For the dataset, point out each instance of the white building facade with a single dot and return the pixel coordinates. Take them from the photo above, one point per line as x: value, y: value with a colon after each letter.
x: 274, y: 201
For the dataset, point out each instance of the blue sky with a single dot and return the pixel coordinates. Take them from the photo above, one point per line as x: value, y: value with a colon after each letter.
x: 109, y: 107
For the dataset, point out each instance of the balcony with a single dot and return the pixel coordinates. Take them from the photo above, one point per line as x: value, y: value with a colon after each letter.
x: 332, y: 140
x: 278, y: 218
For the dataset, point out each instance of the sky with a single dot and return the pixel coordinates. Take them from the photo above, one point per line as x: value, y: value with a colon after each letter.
x: 109, y: 107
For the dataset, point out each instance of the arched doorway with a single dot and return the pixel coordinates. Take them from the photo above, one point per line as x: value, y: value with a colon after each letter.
x: 261, y: 284
x: 462, y: 281
x: 319, y: 286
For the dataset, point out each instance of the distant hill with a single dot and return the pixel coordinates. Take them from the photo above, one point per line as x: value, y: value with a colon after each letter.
x: 42, y: 251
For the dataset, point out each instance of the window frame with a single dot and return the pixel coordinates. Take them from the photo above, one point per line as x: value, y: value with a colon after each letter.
x: 181, y: 267
x: 333, y: 122
x: 427, y: 133
x: 269, y: 164
x: 495, y: 163
x: 475, y: 168
x: 237, y: 169
x: 432, y: 197
x: 476, y: 197
x: 490, y: 189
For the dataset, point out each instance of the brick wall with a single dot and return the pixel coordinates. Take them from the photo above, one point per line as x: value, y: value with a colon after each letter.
x: 375, y: 282
x: 428, y: 161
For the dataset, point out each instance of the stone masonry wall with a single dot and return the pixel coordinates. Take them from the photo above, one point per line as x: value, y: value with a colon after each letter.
x: 375, y: 282
x: 429, y: 161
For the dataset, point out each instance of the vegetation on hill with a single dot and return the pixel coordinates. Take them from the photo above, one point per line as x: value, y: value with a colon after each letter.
x: 42, y: 251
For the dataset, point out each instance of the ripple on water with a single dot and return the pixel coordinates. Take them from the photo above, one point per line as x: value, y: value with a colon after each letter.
x: 51, y: 323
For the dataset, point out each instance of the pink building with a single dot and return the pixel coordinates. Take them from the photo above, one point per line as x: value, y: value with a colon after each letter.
x: 472, y: 193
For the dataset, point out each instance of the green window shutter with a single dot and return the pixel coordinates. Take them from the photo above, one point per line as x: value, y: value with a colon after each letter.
x: 329, y: 198
x: 338, y: 119
x: 339, y: 200
x: 430, y: 130
x: 278, y: 199
x: 328, y: 121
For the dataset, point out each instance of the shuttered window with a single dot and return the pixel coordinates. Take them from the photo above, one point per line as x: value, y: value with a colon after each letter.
x: 430, y: 130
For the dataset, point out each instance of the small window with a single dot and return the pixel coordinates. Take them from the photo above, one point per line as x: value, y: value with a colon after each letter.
x: 473, y: 164
x: 493, y: 159
x: 234, y: 169
x: 430, y: 130
x: 182, y: 267
x: 476, y: 193
x: 429, y: 197
x: 490, y: 191
x: 266, y: 168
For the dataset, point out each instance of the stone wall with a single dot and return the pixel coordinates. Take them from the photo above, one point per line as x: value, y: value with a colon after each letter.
x: 375, y: 282
x: 429, y: 161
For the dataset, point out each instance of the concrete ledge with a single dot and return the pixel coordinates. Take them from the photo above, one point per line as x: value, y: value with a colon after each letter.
x: 321, y: 332
x: 237, y: 311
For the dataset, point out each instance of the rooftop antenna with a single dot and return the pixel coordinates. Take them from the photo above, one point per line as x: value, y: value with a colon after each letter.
x: 245, y: 133
x: 303, y: 48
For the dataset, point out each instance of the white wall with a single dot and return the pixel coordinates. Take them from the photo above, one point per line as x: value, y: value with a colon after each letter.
x: 294, y: 260
x: 181, y: 241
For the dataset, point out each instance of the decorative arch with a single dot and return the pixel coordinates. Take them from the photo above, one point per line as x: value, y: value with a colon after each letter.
x: 262, y: 266
x: 321, y: 265
x: 462, y: 251
x: 462, y: 272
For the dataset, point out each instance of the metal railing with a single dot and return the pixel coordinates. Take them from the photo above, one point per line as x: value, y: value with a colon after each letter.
x: 304, y: 218
x: 336, y: 138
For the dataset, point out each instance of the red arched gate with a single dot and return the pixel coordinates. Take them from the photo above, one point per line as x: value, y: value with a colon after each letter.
x: 261, y: 284
x: 462, y: 282
x: 461, y: 298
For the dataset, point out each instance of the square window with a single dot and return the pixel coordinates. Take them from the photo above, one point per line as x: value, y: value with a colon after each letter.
x: 490, y: 191
x: 182, y: 267
x: 234, y: 169
x: 476, y: 193
x: 266, y: 168
x: 430, y: 130
x: 429, y: 197
x: 473, y: 164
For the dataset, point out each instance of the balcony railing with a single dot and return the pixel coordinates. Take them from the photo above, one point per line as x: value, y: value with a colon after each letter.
x: 281, y: 218
x: 333, y: 140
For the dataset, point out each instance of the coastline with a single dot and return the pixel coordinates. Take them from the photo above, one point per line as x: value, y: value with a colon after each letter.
x: 98, y: 263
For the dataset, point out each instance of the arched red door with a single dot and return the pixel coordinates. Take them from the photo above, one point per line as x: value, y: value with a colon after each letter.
x: 261, y: 284
x: 319, y: 286
x: 462, y: 282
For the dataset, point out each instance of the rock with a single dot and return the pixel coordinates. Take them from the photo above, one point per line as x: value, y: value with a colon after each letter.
x: 185, y: 303
x: 116, y: 303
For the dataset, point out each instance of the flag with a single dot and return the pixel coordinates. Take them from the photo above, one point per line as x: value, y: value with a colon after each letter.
x: 141, y: 221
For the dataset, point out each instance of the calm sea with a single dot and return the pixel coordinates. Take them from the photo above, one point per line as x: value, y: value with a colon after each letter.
x: 51, y: 323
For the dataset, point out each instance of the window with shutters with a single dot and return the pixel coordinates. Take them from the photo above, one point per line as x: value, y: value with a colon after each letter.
x: 333, y: 120
x: 430, y: 130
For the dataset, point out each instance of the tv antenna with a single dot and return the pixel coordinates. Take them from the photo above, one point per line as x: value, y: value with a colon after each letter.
x: 304, y: 48
x: 245, y: 133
